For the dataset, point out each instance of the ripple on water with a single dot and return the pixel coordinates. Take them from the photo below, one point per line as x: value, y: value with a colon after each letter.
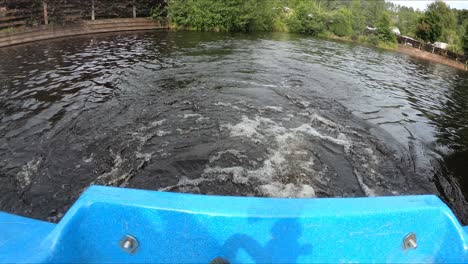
x: 265, y: 115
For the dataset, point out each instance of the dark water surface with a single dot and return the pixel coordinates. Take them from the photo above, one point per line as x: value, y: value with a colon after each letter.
x: 257, y: 115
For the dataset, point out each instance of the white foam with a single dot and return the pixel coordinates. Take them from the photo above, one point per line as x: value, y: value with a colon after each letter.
x: 233, y: 152
x: 305, y: 103
x: 27, y: 171
x: 239, y: 174
x: 158, y: 123
x: 90, y: 159
x: 222, y: 104
x: 115, y: 176
x: 367, y: 191
x: 323, y: 120
x: 286, y: 157
x: 143, y: 138
x: 341, y: 140
x: 187, y: 131
x: 258, y: 84
x: 228, y: 105
x: 145, y: 156
x: 114, y: 172
x: 202, y: 119
x: 277, y: 189
x: 151, y: 125
x: 162, y: 133
x: 289, y: 168
x: 246, y: 128
x: 143, y: 134
x: 277, y: 109
x: 186, y: 185
x: 191, y: 115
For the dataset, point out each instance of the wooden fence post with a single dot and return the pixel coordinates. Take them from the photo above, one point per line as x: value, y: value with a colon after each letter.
x: 134, y: 9
x: 93, y: 14
x: 46, y: 15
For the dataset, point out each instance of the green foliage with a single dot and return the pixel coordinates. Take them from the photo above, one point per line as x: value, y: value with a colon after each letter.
x: 226, y: 15
x: 306, y: 19
x: 373, y: 40
x: 384, y: 31
x: 407, y: 20
x: 358, y: 19
x: 302, y: 16
x: 345, y: 19
x: 451, y: 37
x: 465, y: 41
x: 438, y: 23
x: 207, y: 15
x: 158, y: 12
x: 342, y: 23
x: 373, y: 10
x: 428, y: 30
x: 264, y: 15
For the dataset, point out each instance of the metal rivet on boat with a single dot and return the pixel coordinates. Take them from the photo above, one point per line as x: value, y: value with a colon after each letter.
x: 410, y: 241
x: 129, y: 244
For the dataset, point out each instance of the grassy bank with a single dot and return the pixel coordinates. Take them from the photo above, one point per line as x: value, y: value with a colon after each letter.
x: 343, y: 21
x: 363, y: 40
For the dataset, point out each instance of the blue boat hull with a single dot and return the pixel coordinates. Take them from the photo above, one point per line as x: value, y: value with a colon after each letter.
x: 183, y: 228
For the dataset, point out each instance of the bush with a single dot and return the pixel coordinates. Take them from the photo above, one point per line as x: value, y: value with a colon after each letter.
x: 226, y: 15
x: 373, y: 40
x: 383, y: 29
x: 306, y: 19
x: 264, y: 15
x: 158, y: 12
x: 342, y: 23
x: 465, y: 41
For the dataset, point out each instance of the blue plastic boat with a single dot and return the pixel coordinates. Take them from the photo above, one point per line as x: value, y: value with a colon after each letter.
x: 123, y: 225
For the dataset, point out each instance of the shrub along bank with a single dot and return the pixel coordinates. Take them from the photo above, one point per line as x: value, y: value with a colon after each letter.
x: 340, y: 19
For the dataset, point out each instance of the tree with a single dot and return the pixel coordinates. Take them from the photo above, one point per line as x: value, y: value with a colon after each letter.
x: 465, y: 41
x: 306, y: 19
x: 428, y: 30
x: 331, y: 4
x: 358, y: 19
x: 407, y: 20
x: 342, y: 25
x: 373, y: 9
x: 438, y: 23
x: 383, y: 28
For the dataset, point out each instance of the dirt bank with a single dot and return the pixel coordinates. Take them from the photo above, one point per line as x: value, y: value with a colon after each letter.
x: 431, y: 57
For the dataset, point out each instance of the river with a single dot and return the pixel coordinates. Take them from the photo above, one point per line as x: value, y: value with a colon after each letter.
x: 274, y: 115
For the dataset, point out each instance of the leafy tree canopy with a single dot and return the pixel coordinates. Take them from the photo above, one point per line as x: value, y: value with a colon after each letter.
x: 465, y: 41
x: 438, y: 23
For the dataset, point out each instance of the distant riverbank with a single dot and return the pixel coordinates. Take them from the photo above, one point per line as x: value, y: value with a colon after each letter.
x: 408, y: 50
x: 431, y: 57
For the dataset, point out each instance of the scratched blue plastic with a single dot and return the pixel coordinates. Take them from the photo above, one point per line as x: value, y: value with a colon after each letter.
x: 175, y: 228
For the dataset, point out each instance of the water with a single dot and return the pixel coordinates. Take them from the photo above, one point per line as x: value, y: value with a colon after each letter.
x: 272, y: 115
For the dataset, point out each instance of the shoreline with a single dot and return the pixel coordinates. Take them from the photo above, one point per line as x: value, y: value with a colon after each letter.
x: 116, y: 25
x: 410, y: 51
x: 88, y: 27
x: 421, y: 54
